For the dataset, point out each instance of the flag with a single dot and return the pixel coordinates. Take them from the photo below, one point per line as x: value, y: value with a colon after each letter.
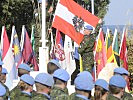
x: 109, y: 50
x: 7, y: 58
x: 52, y: 54
x: 100, y: 55
x: 76, y: 54
x: 69, y: 61
x: 123, y: 50
x: 59, y: 50
x: 116, y: 48
x: 16, y: 47
x: 27, y: 51
x: 70, y: 18
x: 33, y: 37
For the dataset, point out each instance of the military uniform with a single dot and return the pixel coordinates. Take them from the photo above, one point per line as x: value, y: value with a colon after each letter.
x: 58, y: 94
x: 111, y: 97
x: 39, y: 96
x: 23, y: 96
x: 15, y: 92
x: 127, y: 96
x: 86, y: 51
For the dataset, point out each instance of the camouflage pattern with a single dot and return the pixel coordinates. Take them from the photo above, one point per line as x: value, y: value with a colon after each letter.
x: 111, y: 97
x: 23, y: 96
x: 15, y: 92
x: 39, y: 96
x: 6, y: 96
x: 127, y: 96
x: 86, y: 51
x: 66, y: 90
x: 58, y: 94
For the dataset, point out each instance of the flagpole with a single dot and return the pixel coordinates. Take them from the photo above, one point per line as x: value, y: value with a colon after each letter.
x: 92, y: 7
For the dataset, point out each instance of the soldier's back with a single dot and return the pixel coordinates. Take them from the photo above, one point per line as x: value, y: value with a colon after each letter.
x: 23, y: 96
x: 38, y: 96
x: 58, y: 94
x: 111, y: 97
x: 14, y: 93
x: 127, y: 96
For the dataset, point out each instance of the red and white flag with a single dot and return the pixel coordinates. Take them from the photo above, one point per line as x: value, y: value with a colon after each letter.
x: 123, y: 50
x: 70, y: 18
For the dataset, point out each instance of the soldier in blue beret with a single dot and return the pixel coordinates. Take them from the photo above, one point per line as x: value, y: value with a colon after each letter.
x: 3, y: 75
x: 83, y: 87
x: 2, y: 92
x: 117, y: 86
x: 61, y: 77
x: 86, y: 49
x: 44, y: 83
x: 101, y: 89
x: 26, y: 85
x: 124, y: 73
x: 22, y: 69
x: 52, y: 66
x: 1, y: 63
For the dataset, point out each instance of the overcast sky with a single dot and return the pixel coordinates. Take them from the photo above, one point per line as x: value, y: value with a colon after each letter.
x: 120, y: 12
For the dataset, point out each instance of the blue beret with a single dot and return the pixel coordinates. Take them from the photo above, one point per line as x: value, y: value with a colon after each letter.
x: 88, y: 27
x: 4, y: 71
x: 102, y: 83
x: 40, y: 1
x: 121, y: 70
x: 61, y: 74
x: 1, y: 63
x: 25, y: 67
x: 117, y: 81
x: 2, y: 90
x: 27, y: 79
x: 55, y: 62
x: 45, y: 79
x: 86, y: 73
x: 82, y: 82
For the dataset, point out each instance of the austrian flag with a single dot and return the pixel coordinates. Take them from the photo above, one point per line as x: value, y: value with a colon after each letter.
x: 70, y: 18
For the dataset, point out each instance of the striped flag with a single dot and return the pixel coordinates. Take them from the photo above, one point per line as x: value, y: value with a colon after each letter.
x: 116, y: 48
x: 16, y: 47
x: 33, y: 37
x: 70, y: 18
x: 7, y: 58
x: 109, y: 50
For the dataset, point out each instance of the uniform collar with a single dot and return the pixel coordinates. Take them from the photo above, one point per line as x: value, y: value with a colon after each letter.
x: 83, y: 97
x: 45, y: 95
x: 26, y: 93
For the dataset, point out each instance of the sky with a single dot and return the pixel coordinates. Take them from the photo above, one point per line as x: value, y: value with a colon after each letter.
x: 120, y: 12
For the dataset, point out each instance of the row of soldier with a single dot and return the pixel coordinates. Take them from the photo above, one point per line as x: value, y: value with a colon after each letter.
x: 53, y: 86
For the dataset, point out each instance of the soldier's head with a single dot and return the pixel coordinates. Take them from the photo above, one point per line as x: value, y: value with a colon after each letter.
x: 44, y: 82
x: 23, y: 69
x: 2, y: 91
x: 52, y: 66
x: 117, y: 85
x: 61, y: 77
x: 83, y: 85
x: 101, y: 89
x: 26, y: 83
x: 3, y: 75
x: 87, y: 29
x: 121, y: 71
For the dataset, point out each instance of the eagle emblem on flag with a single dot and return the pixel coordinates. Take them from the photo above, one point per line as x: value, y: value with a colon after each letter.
x: 78, y: 23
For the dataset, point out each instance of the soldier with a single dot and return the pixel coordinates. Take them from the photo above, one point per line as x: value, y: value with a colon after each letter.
x: 2, y: 92
x: 44, y: 83
x: 26, y: 85
x: 117, y: 86
x: 61, y: 77
x: 101, y: 89
x: 124, y: 73
x: 52, y: 66
x: 86, y: 49
x: 22, y: 69
x: 1, y: 63
x: 83, y: 87
x: 3, y: 80
x: 86, y: 74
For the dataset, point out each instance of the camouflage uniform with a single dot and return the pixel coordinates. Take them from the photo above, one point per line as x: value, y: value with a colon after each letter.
x: 127, y: 96
x: 58, y: 94
x: 39, y: 96
x: 15, y: 92
x: 111, y: 97
x: 23, y: 96
x: 86, y: 51
x: 7, y: 91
